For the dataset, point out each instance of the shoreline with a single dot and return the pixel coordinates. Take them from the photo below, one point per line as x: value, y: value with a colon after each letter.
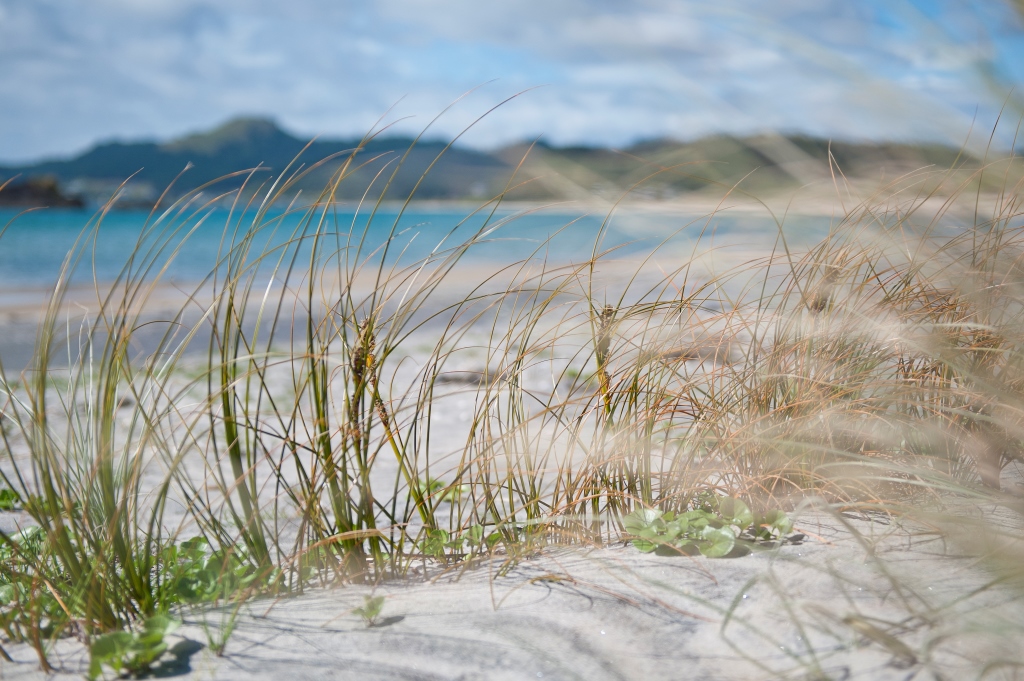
x: 821, y: 200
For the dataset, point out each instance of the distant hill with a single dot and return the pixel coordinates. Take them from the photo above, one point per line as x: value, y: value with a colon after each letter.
x: 662, y: 168
x: 248, y: 143
x: 762, y: 165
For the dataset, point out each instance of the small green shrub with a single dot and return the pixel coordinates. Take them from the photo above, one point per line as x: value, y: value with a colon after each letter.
x: 370, y: 610
x: 133, y: 652
x: 25, y: 607
x: 196, y: 573
x: 714, y: 529
x: 437, y: 543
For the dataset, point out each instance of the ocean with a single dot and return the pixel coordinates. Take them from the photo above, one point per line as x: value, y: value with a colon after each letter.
x: 34, y: 245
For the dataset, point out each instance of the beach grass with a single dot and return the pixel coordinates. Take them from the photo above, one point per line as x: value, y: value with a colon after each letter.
x: 282, y: 431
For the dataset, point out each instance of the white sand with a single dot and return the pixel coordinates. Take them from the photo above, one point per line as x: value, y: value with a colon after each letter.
x: 614, y: 613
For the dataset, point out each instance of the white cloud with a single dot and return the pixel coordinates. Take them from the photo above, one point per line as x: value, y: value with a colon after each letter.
x: 612, y: 71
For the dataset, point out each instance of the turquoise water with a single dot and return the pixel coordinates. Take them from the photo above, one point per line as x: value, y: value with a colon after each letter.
x: 34, y: 245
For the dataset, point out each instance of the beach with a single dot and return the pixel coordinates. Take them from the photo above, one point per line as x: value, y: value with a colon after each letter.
x: 853, y: 592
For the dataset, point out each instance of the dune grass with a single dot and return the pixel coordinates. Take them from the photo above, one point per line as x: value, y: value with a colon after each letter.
x: 280, y: 432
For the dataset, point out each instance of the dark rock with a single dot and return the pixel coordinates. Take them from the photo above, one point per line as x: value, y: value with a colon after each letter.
x: 37, y: 192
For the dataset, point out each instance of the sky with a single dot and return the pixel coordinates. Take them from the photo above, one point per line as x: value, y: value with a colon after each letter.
x: 599, y: 72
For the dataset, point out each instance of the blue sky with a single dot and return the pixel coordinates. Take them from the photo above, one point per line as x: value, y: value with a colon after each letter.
x: 594, y: 72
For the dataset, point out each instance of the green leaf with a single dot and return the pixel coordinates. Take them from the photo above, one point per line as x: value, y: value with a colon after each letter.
x: 133, y: 652
x: 111, y: 645
x: 374, y: 605
x: 676, y: 528
x: 475, y: 535
x: 684, y: 547
x: 429, y: 486
x: 639, y: 519
x: 153, y: 631
x: 109, y: 649
x: 144, y: 655
x: 30, y: 536
x: 161, y: 624
x: 645, y: 545
x: 647, y: 527
x: 199, y: 542
x: 717, y: 542
x: 8, y: 594
x: 371, y: 609
x: 455, y: 493
x: 9, y: 500
x: 435, y: 543
x: 735, y: 512
x: 697, y: 520
x: 777, y: 522
x: 196, y: 548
